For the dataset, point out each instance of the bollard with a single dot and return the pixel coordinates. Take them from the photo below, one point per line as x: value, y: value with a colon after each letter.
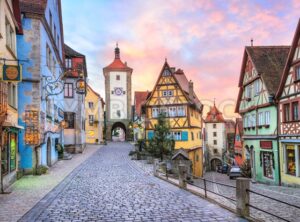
x: 182, y: 175
x: 242, y: 197
x: 155, y: 164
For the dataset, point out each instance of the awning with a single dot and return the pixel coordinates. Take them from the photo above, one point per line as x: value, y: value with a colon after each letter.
x: 14, y: 125
x: 289, y: 141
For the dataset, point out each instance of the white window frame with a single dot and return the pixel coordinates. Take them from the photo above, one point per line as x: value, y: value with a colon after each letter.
x: 261, y: 118
x: 12, y: 95
x: 267, y: 117
x: 257, y: 87
x: 177, y: 136
x: 181, y: 111
x: 155, y: 112
x: 172, y: 111
x: 68, y: 63
x: 164, y: 110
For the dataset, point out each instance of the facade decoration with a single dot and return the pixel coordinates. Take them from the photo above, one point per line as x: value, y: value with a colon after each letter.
x: 118, y: 96
x: 174, y: 96
x: 260, y: 75
x: 288, y: 114
x: 94, y: 115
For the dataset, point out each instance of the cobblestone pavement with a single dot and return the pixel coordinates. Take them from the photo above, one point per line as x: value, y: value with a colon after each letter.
x: 287, y: 194
x: 111, y: 187
x: 29, y: 190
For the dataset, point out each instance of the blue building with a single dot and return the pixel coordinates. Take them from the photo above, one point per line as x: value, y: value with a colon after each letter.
x: 40, y: 104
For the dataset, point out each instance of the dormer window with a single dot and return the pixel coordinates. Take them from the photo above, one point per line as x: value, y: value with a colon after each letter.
x: 166, y: 72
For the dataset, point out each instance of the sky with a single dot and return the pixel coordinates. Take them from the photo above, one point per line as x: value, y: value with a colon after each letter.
x: 205, y: 38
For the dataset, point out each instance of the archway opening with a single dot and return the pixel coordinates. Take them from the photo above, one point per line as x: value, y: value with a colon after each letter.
x: 215, y: 163
x: 118, y: 132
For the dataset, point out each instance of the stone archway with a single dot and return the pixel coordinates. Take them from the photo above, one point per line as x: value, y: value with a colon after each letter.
x: 118, y: 132
x: 214, y: 163
x: 49, y: 152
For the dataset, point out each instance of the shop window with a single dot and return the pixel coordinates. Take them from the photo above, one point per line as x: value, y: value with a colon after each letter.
x: 4, y: 154
x: 267, y: 161
x: 8, y: 153
x: 290, y: 160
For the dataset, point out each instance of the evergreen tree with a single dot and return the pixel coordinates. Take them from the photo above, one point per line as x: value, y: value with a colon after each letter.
x: 162, y: 144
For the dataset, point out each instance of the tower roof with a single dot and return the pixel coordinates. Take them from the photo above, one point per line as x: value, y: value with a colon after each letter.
x: 117, y: 64
x: 214, y: 115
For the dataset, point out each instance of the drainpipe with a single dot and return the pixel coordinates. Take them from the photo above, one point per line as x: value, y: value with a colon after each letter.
x: 278, y: 156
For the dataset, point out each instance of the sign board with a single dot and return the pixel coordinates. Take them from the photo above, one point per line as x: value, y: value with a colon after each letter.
x: 32, y: 130
x: 12, y: 73
x: 60, y: 113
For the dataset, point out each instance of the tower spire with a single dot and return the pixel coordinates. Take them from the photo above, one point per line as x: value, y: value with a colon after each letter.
x: 117, y: 52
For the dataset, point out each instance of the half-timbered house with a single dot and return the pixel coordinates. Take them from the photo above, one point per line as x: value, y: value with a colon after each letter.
x: 174, y: 95
x: 260, y: 75
x: 288, y: 96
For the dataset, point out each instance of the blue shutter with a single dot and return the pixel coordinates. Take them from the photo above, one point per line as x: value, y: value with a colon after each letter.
x: 184, y: 136
x: 150, y: 135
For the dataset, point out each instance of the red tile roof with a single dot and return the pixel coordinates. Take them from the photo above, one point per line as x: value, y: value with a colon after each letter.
x: 139, y: 100
x: 214, y: 115
x: 117, y: 64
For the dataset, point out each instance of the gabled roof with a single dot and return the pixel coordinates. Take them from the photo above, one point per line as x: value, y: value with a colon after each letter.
x: 97, y: 94
x: 269, y: 62
x: 181, y: 152
x: 71, y: 52
x: 289, y: 61
x: 214, y: 115
x: 140, y: 97
x: 183, y: 83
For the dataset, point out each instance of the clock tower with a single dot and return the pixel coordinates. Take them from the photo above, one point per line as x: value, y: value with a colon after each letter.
x: 118, y: 96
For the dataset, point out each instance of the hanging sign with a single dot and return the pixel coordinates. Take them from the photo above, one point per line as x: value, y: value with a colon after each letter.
x: 60, y: 113
x: 12, y: 73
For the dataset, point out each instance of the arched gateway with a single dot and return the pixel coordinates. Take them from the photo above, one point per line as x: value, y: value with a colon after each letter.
x: 118, y: 96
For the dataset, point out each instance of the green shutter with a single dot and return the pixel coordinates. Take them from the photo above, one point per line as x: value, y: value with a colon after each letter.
x: 184, y: 136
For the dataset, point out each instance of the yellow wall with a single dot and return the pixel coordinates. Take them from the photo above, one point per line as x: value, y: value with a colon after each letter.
x: 190, y: 123
x: 95, y: 131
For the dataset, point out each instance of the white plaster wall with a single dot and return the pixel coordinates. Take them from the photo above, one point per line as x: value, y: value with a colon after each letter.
x: 221, y: 140
x: 118, y: 102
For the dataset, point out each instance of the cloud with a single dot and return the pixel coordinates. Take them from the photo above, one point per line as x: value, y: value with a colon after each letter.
x: 205, y: 38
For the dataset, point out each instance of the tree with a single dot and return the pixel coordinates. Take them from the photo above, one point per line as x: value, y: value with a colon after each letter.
x: 162, y: 144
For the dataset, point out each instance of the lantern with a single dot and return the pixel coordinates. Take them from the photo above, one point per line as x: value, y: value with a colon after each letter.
x: 80, y: 86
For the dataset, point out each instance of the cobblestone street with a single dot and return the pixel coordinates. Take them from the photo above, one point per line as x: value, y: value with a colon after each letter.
x: 111, y: 187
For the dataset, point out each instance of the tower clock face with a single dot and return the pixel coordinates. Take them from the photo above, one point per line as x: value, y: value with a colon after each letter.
x: 118, y: 91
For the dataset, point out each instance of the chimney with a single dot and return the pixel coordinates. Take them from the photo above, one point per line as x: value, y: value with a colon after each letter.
x: 191, y: 90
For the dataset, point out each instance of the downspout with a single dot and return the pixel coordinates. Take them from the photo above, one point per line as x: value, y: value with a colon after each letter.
x: 278, y: 156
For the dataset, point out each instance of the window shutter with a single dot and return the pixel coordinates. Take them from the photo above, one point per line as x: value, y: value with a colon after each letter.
x: 184, y: 136
x: 150, y: 135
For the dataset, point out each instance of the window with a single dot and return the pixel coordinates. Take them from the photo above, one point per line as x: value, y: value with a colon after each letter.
x: 297, y: 71
x: 181, y: 111
x: 260, y: 118
x: 245, y: 121
x: 167, y: 93
x: 215, y: 142
x: 192, y: 135
x: 257, y: 87
x: 215, y: 134
x: 91, y: 120
x: 253, y: 120
x: 267, y: 159
x: 214, y: 126
x: 55, y: 112
x: 69, y: 90
x: 54, y: 35
x: 117, y: 77
x: 155, y: 112
x: 177, y: 135
x: 48, y: 57
x: 172, y: 111
x: 164, y: 111
x: 68, y: 63
x: 8, y: 152
x: 70, y: 120
x: 50, y: 20
x: 49, y: 108
x: 91, y: 105
x: 295, y: 111
x: 249, y: 91
x: 166, y: 72
x: 286, y: 112
x: 12, y: 95
x: 290, y: 160
x: 237, y: 138
x: 10, y: 36
x: 267, y: 118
